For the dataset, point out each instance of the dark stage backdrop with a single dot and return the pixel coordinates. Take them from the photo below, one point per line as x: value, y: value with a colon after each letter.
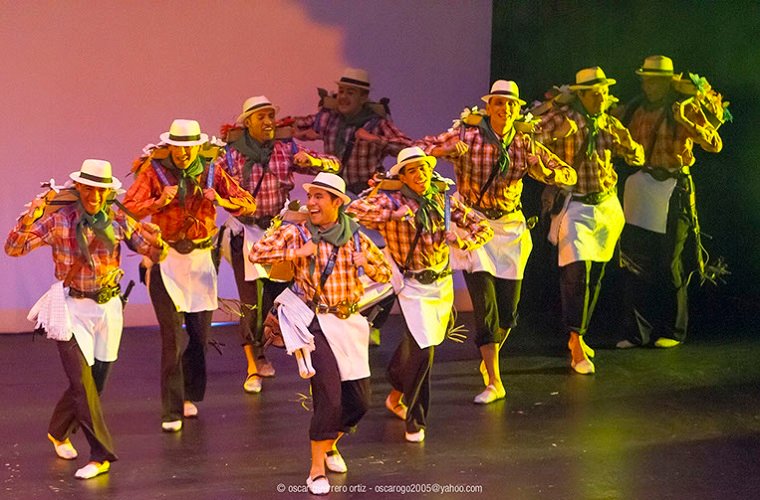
x: 543, y: 43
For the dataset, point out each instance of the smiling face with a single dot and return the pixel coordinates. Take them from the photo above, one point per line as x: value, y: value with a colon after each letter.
x: 323, y: 207
x: 593, y: 99
x: 417, y: 176
x: 183, y: 156
x: 260, y: 124
x: 351, y: 99
x: 502, y: 113
x: 93, y: 198
x: 655, y: 87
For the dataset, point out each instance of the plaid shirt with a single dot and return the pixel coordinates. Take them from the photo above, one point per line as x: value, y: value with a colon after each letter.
x: 277, y: 185
x: 343, y: 284
x: 58, y: 229
x: 431, y: 251
x: 671, y: 145
x: 474, y: 167
x: 196, y: 218
x: 366, y: 158
x: 595, y: 174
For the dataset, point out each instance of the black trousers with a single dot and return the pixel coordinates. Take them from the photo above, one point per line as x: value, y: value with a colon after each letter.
x: 494, y: 305
x: 409, y: 372
x: 79, y: 405
x: 656, y: 298
x: 338, y: 406
x: 183, y: 369
x: 579, y: 286
x: 260, y: 292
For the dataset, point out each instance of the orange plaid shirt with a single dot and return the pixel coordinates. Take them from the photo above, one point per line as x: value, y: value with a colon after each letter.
x: 58, y: 230
x: 343, y: 284
x: 196, y: 218
x: 431, y: 250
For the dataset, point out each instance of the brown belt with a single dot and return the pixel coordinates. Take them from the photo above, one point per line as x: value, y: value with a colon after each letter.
x: 594, y: 198
x: 428, y: 276
x: 101, y: 296
x: 342, y: 309
x: 187, y: 246
x: 495, y: 213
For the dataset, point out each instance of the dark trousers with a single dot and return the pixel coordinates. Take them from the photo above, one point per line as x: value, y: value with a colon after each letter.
x: 79, y: 405
x: 338, y: 406
x: 494, y: 305
x: 183, y: 372
x: 656, y: 298
x: 409, y: 372
x: 260, y: 292
x: 579, y: 286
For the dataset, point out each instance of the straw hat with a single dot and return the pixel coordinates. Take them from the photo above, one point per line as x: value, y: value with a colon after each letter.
x: 656, y: 66
x: 588, y: 78
x: 331, y: 183
x: 184, y: 133
x: 355, y: 77
x: 504, y: 88
x: 411, y: 155
x: 96, y: 173
x: 253, y: 104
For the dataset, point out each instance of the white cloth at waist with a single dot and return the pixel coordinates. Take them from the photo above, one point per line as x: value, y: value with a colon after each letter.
x: 190, y: 280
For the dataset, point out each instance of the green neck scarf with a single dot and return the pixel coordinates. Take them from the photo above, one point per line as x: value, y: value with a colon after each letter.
x: 503, y: 143
x: 593, y: 126
x: 100, y: 224
x: 356, y: 121
x: 254, y: 152
x: 427, y: 204
x: 338, y: 234
x: 185, y: 176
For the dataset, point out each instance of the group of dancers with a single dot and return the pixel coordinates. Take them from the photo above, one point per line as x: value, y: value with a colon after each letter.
x: 305, y: 271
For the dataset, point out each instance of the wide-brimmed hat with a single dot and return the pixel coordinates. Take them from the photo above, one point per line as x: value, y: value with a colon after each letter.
x: 331, y: 183
x: 253, y: 104
x: 504, y: 88
x: 588, y: 78
x: 411, y: 155
x: 656, y: 66
x: 355, y: 77
x: 184, y: 133
x: 96, y: 173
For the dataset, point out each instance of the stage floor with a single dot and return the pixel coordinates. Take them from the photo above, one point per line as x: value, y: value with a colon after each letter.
x: 680, y: 423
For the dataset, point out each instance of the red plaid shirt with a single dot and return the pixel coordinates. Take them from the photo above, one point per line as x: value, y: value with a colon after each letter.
x: 366, y: 157
x: 474, y: 167
x: 431, y: 250
x: 595, y: 174
x: 279, y: 181
x: 671, y: 145
x: 195, y: 219
x: 343, y: 284
x: 58, y: 230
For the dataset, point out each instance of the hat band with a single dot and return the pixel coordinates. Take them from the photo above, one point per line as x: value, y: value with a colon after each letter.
x: 507, y: 93
x: 415, y: 157
x: 259, y: 105
x: 326, y: 186
x: 185, y: 138
x: 593, y: 82
x: 90, y: 177
x: 343, y: 79
x: 656, y: 70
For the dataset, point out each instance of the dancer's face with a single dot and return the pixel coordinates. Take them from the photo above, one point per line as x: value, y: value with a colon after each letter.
x: 593, y: 99
x: 417, y: 176
x: 502, y: 113
x: 323, y: 207
x: 183, y: 156
x: 655, y: 87
x: 351, y: 99
x: 93, y: 198
x: 260, y: 124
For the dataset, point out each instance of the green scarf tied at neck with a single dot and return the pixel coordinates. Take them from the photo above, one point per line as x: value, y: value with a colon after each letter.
x: 427, y: 205
x: 359, y: 119
x: 100, y: 224
x: 593, y: 127
x: 185, y: 176
x: 337, y: 235
x: 254, y: 153
x: 488, y: 132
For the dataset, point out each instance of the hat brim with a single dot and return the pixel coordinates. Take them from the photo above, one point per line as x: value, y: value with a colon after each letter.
x: 430, y: 160
x: 354, y: 85
x: 242, y: 116
x: 308, y: 185
x: 606, y: 81
x: 165, y: 139
x: 487, y: 97
x: 114, y: 184
x: 648, y: 72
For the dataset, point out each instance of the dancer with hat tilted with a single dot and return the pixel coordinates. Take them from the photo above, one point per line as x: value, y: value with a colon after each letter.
x: 490, y: 158
x: 658, y: 205
x: 415, y: 222
x: 588, y: 224
x: 264, y: 164
x: 83, y: 310
x: 329, y: 254
x: 178, y: 187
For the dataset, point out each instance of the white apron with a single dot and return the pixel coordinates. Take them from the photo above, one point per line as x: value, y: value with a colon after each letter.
x: 349, y: 341
x: 646, y: 201
x: 190, y: 280
x: 588, y: 232
x: 251, y: 234
x: 504, y: 256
